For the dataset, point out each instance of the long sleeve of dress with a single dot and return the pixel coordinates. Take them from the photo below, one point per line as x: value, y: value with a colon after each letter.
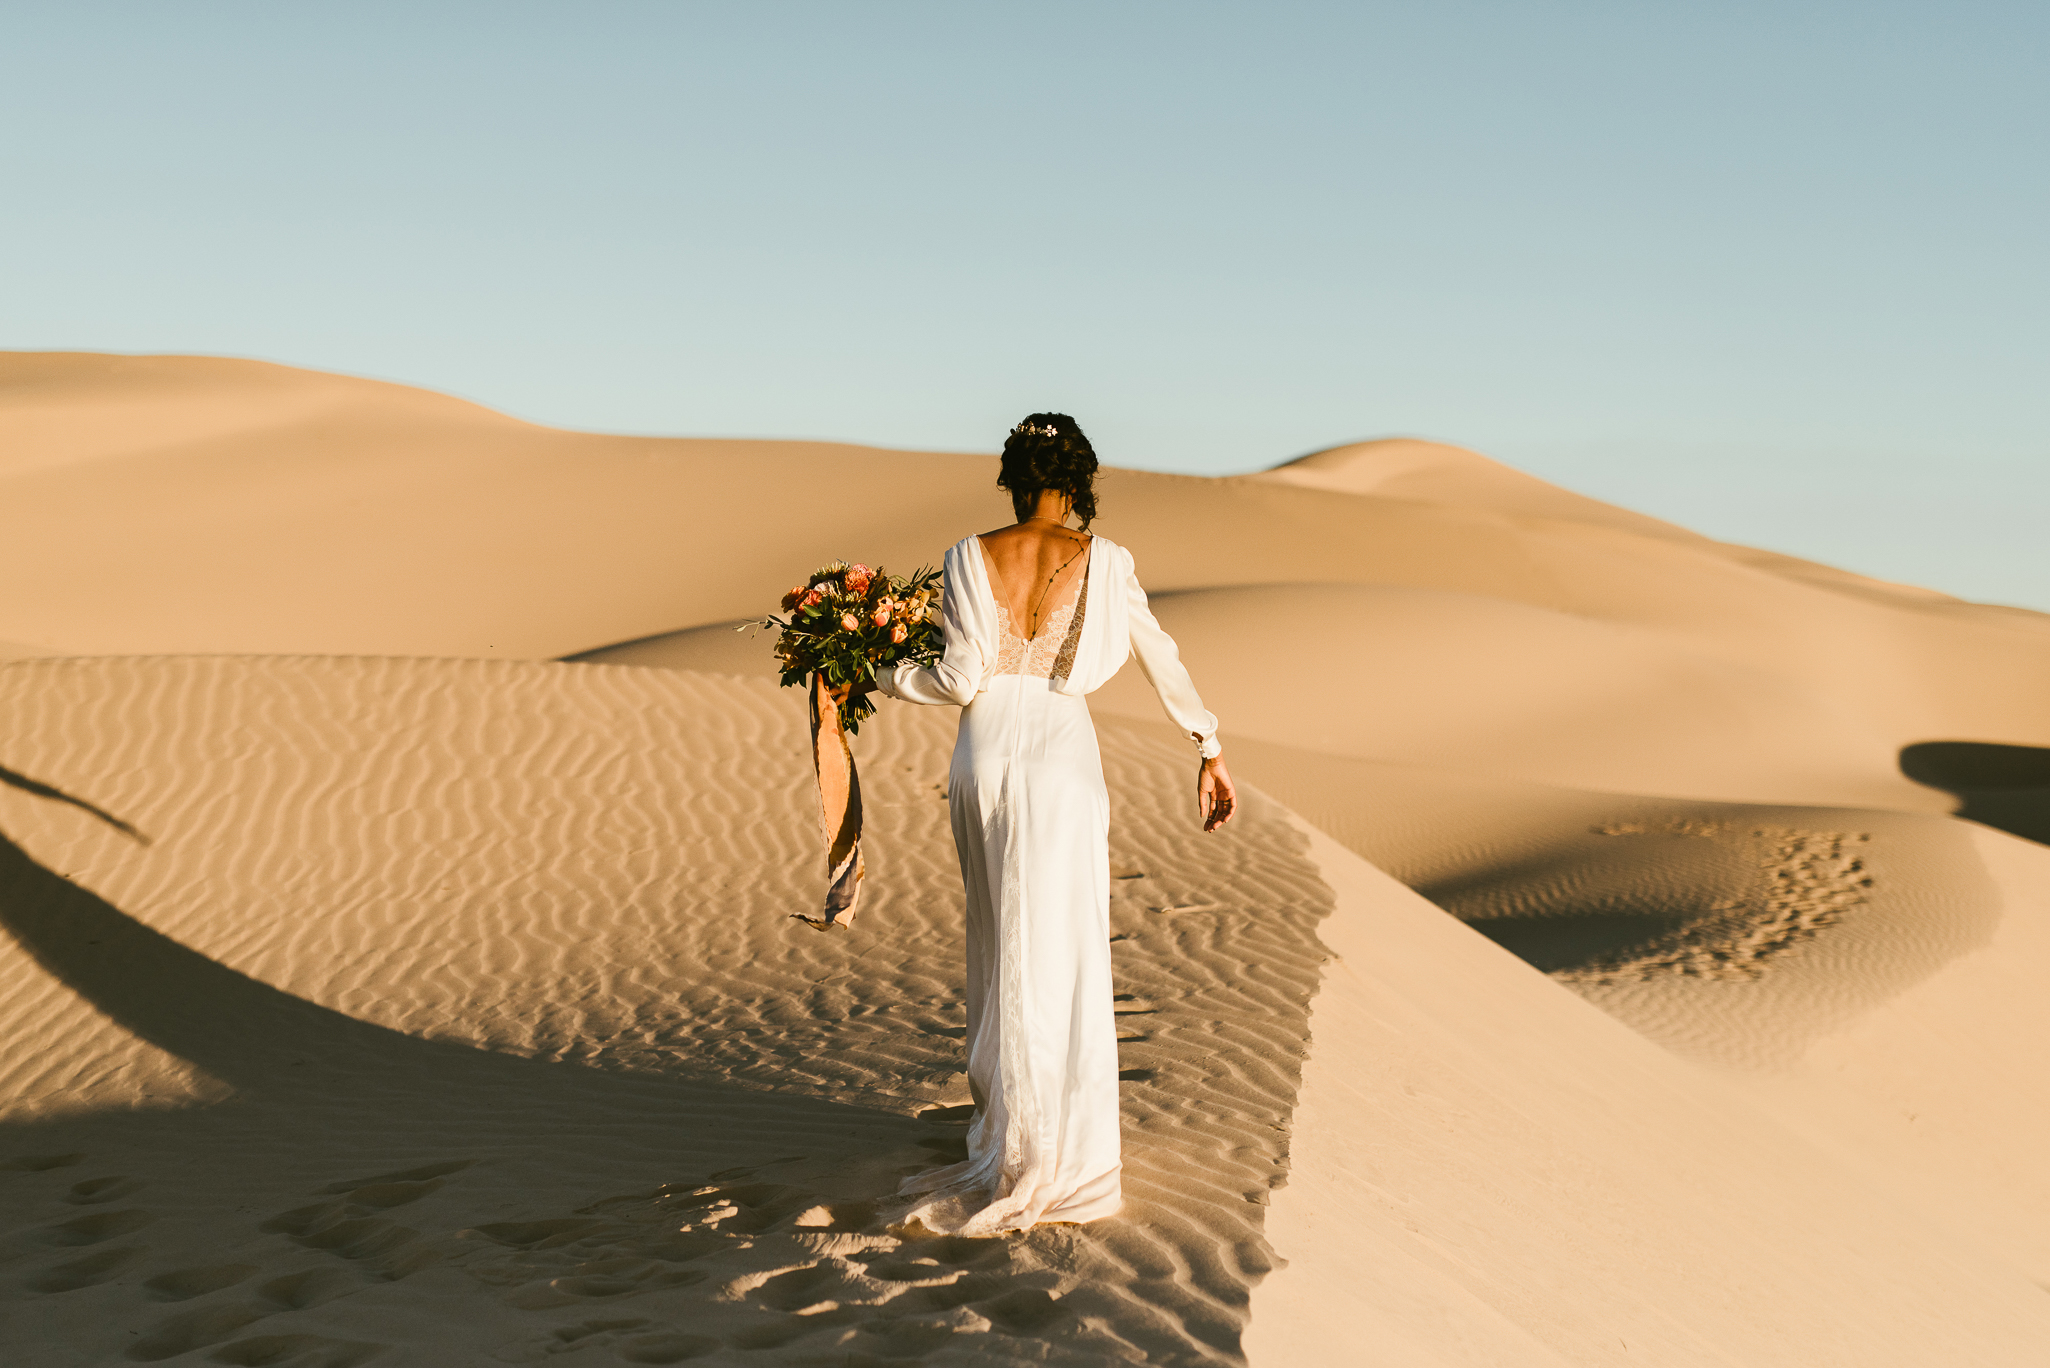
x: 1161, y: 659
x: 956, y: 677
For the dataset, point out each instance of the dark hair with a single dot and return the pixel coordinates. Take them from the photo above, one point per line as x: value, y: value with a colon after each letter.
x: 1048, y: 451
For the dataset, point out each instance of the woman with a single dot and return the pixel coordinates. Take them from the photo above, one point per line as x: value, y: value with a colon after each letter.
x: 1037, y: 615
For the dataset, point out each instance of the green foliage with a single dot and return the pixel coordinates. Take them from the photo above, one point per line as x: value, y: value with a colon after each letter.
x: 816, y: 636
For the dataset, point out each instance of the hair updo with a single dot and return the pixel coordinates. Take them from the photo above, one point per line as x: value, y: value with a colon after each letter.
x: 1048, y: 451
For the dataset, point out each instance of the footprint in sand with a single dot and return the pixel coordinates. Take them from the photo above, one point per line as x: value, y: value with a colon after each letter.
x: 793, y: 1265
x: 336, y: 1229
x: 94, y: 1191
x: 425, y: 1179
x: 312, y: 1287
x: 40, y: 1163
x: 631, y: 1339
x: 348, y: 1229
x: 665, y: 1347
x: 100, y: 1265
x: 343, y: 1227
x: 90, y: 1271
x: 195, y: 1329
x: 616, y: 1277
x: 295, y: 1351
x: 183, y: 1284
x: 94, y: 1229
x: 210, y: 1325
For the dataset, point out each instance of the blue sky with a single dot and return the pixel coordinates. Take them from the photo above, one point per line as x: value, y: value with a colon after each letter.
x: 1777, y: 272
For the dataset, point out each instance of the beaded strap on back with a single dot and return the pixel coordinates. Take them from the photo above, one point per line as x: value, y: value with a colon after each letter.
x: 1051, y: 651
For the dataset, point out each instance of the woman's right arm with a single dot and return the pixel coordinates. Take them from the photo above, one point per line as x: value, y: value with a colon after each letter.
x: 956, y: 677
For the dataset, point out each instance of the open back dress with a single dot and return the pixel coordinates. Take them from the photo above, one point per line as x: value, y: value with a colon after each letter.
x: 1031, y: 822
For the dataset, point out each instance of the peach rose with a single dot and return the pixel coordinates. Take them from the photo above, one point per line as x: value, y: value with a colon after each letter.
x: 849, y: 623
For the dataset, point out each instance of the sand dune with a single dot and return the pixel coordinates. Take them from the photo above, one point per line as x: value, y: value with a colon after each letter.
x: 1540, y: 1185
x: 584, y: 942
x: 442, y: 1005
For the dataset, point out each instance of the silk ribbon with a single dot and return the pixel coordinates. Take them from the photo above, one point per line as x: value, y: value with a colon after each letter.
x: 839, y: 811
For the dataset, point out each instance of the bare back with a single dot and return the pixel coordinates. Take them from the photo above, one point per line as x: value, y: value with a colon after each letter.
x: 1035, y: 568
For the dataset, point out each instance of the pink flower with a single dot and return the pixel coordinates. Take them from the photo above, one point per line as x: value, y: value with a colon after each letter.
x: 881, y: 616
x: 897, y: 634
x: 857, y: 578
x: 849, y: 623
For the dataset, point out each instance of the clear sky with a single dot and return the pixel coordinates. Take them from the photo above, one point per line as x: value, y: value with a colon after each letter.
x: 1777, y: 271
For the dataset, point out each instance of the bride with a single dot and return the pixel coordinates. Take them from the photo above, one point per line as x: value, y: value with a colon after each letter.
x: 1037, y: 615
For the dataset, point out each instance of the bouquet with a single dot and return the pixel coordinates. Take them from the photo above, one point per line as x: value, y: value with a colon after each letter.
x: 841, y: 627
x: 847, y: 622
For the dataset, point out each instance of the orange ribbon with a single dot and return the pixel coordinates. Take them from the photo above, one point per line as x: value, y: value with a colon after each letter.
x: 839, y: 810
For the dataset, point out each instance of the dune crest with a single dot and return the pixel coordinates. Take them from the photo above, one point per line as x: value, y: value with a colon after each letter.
x: 1432, y: 472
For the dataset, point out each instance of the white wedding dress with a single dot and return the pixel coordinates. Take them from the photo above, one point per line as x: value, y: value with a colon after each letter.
x: 1031, y: 822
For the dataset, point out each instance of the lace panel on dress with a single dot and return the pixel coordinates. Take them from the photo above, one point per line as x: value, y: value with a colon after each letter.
x: 1050, y: 654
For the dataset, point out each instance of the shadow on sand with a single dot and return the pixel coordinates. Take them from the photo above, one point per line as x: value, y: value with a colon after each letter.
x: 558, y: 1208
x: 2001, y: 786
x: 266, y: 1043
x: 40, y: 789
x: 552, y: 1208
x: 316, y: 1099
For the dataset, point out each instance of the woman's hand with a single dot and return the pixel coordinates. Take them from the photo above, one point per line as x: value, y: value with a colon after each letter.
x: 840, y: 693
x: 1216, y: 799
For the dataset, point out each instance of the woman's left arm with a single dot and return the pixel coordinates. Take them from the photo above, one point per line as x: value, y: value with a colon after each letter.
x: 1161, y: 660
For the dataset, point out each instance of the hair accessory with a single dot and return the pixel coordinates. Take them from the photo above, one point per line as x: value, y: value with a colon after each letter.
x: 1030, y: 431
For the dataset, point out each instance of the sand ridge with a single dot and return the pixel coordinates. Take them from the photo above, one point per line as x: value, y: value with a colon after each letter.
x: 1541, y: 1184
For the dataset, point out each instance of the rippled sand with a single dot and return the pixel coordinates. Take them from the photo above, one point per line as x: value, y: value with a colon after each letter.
x: 1598, y: 974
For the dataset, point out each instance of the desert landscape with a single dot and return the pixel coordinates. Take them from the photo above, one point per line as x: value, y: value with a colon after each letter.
x: 1632, y: 950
